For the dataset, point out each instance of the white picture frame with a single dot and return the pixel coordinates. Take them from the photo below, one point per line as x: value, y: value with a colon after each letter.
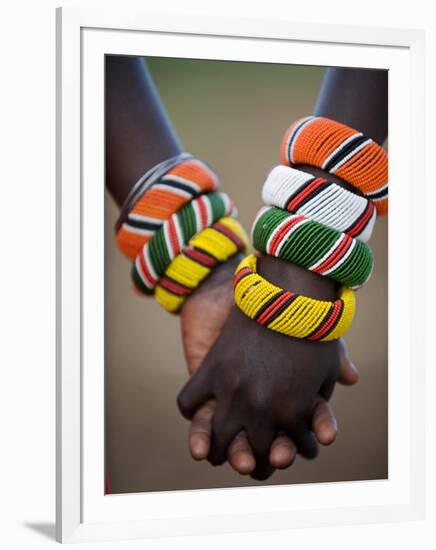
x: 84, y: 36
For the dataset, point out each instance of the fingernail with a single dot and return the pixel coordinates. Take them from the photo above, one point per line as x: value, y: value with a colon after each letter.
x: 199, y: 450
x: 328, y: 431
x: 244, y: 463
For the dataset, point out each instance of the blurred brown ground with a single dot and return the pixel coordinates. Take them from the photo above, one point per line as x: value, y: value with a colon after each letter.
x: 232, y: 115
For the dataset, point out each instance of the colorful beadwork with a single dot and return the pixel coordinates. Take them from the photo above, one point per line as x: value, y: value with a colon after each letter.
x: 340, y: 150
x: 323, y: 201
x: 207, y: 249
x: 168, y: 241
x: 312, y: 245
x: 163, y: 196
x: 287, y: 312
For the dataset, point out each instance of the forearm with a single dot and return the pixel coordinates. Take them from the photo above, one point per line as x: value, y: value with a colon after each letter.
x: 358, y: 98
x: 139, y: 136
x: 138, y: 132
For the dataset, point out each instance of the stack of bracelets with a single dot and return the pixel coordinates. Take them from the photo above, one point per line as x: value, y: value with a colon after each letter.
x: 318, y: 225
x: 176, y: 227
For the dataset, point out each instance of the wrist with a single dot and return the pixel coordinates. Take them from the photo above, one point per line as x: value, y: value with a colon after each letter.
x: 205, y: 311
x: 289, y: 312
x: 297, y: 279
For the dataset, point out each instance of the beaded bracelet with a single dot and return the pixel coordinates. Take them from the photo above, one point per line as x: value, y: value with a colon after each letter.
x: 168, y: 241
x: 323, y: 201
x: 312, y: 245
x: 161, y: 192
x: 290, y: 313
x: 340, y: 150
x: 213, y: 245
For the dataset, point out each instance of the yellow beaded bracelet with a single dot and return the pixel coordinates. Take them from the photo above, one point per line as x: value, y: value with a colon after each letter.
x: 213, y: 245
x: 288, y: 312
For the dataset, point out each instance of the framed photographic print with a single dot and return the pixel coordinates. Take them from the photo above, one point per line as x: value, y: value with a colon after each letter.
x: 223, y: 204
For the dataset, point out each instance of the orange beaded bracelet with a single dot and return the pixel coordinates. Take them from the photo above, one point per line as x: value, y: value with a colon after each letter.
x: 340, y: 150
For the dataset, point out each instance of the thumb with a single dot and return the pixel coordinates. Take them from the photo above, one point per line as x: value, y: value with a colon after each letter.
x: 196, y: 391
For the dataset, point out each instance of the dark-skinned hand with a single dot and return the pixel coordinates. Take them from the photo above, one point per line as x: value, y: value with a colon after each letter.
x: 203, y: 316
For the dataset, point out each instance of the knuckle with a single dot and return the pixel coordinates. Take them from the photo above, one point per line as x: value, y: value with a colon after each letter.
x: 183, y: 404
x: 230, y: 381
x: 259, y: 401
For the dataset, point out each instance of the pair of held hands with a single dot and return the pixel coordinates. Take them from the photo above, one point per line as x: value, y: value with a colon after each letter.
x: 255, y: 397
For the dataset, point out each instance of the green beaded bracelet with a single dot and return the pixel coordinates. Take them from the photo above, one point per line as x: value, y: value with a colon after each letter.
x: 168, y: 241
x: 312, y: 245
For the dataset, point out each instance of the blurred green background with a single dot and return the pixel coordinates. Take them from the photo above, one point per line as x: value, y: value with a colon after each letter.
x: 232, y: 115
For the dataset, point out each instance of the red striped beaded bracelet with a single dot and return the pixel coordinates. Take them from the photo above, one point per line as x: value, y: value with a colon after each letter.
x: 160, y: 193
x: 340, y: 150
x: 312, y: 245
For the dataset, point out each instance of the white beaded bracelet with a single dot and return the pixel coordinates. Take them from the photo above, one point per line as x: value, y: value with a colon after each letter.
x: 321, y: 200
